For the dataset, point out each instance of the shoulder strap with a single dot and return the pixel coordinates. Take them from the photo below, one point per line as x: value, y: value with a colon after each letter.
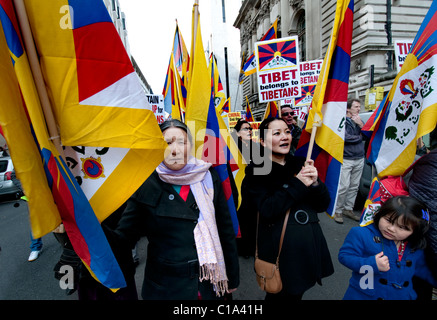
x: 282, y: 235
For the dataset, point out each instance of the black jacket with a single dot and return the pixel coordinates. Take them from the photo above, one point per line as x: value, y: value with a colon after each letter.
x: 422, y: 185
x: 353, y: 141
x: 305, y: 258
x: 157, y: 211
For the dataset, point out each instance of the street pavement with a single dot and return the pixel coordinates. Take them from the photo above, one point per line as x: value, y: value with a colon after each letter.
x: 23, y: 280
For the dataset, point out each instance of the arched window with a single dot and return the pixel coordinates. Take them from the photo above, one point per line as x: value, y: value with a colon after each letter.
x: 301, y: 36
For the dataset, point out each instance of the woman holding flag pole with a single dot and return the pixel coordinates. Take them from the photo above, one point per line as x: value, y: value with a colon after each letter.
x: 287, y: 182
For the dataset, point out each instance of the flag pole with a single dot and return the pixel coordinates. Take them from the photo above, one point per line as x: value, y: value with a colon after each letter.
x: 29, y: 44
x: 279, y: 108
x: 265, y: 110
x: 317, y: 122
x: 195, y: 22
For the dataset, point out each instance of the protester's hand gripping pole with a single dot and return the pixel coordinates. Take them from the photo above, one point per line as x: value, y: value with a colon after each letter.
x: 317, y: 122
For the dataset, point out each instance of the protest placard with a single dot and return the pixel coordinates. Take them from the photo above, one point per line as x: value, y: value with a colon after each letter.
x: 309, y: 74
x: 156, y: 102
x: 278, y: 69
x: 402, y: 47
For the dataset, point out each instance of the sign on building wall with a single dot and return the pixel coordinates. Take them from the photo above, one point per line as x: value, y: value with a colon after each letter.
x: 402, y: 47
x: 374, y: 96
x: 278, y: 69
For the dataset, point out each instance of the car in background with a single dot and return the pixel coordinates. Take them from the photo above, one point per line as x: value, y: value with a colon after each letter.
x: 9, y: 184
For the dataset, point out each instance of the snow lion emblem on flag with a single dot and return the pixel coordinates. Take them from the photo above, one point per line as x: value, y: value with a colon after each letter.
x: 407, y: 110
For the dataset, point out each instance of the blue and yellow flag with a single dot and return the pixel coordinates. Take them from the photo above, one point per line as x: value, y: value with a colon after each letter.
x: 25, y: 153
x: 249, y: 115
x: 226, y: 106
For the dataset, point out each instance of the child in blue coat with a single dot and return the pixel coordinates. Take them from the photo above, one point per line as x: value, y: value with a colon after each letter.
x: 385, y: 255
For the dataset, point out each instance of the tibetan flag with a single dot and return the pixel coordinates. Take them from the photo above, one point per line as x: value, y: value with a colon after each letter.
x: 250, y: 65
x: 373, y: 202
x: 219, y: 93
x: 199, y: 99
x: 328, y: 106
x: 369, y: 126
x: 41, y: 169
x: 208, y: 128
x: 249, y: 116
x: 409, y: 111
x: 180, y: 54
x: 182, y: 63
x: 25, y: 154
x: 217, y: 152
x: 272, y: 110
x: 226, y: 106
x: 130, y: 167
x: 172, y: 97
x: 96, y: 94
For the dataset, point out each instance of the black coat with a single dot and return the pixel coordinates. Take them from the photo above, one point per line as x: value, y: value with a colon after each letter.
x: 422, y: 185
x: 157, y: 211
x: 305, y: 258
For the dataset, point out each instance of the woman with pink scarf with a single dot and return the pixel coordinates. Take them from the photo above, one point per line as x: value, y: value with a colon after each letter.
x: 181, y: 208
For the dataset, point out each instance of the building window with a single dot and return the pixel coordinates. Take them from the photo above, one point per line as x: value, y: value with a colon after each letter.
x: 301, y: 36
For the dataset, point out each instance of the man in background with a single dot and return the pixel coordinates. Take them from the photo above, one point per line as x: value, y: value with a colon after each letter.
x: 353, y: 163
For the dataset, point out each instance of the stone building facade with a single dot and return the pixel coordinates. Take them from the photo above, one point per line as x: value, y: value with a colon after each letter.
x: 378, y: 24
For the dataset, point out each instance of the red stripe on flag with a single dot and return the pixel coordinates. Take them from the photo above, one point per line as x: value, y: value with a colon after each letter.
x: 345, y: 41
x: 336, y: 91
x: 64, y: 202
x: 427, y: 32
x: 98, y: 46
x: 226, y: 185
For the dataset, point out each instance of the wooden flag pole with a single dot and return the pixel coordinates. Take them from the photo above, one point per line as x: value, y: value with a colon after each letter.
x: 29, y: 44
x: 317, y: 122
x: 278, y: 104
x: 195, y: 22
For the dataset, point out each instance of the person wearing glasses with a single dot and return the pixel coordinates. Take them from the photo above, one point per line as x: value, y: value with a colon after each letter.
x: 291, y: 120
x: 250, y: 151
x: 242, y: 135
